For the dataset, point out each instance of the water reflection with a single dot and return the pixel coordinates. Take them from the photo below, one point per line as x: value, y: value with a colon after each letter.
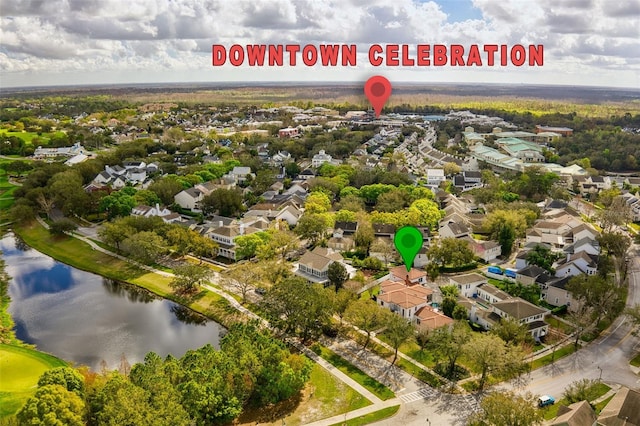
x: 85, y: 318
x: 131, y: 292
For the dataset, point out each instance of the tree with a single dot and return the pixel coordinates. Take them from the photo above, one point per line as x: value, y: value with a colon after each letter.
x: 449, y: 343
x: 583, y: 320
x: 399, y: 331
x: 166, y: 188
x: 507, y: 409
x: 450, y: 251
x: 492, y: 356
x: 52, y: 405
x: 62, y: 226
x: 600, y: 293
x: 422, y: 336
x: 392, y: 201
x: 18, y: 166
x: 542, y: 256
x: 449, y: 299
x: 298, y: 308
x: 337, y: 275
x: 119, y: 204
x: 248, y: 245
x: 617, y: 214
x: 367, y: 316
x: 281, y: 243
x: 364, y: 236
x: 505, y: 226
x: 317, y: 202
x: 114, y: 233
x: 385, y: 249
x: 451, y: 169
x: 342, y: 301
x: 242, y: 278
x: 312, y: 227
x: 425, y: 212
x: 188, y: 279
x: 511, y: 331
x: 226, y: 202
x: 145, y: 246
x: 582, y: 390
x: 67, y: 377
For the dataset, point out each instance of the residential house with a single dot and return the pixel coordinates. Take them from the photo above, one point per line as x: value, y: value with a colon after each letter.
x: 348, y: 228
x: 340, y: 242
x: 225, y: 237
x: 148, y: 211
x: 189, y: 198
x: 314, y: 265
x: 587, y: 244
x: 525, y: 312
x: 467, y: 283
x: 320, y: 158
x: 289, y: 132
x: 556, y: 293
x: 623, y: 409
x: 402, y: 299
x: 577, y: 414
x: 576, y: 264
x: 485, y: 250
x: 306, y: 174
x: 435, y: 177
x: 454, y: 230
x: 529, y: 274
x: 414, y: 276
x: 430, y: 318
x: 240, y: 174
x: 491, y: 294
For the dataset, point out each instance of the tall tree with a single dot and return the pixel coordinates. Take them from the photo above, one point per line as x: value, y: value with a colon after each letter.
x: 52, y: 405
x: 337, y: 275
x: 367, y: 316
x: 242, y: 278
x: 188, y: 279
x: 399, y: 331
x: 226, y: 202
x: 299, y: 308
x: 493, y: 357
x: 450, y: 251
x: 449, y: 343
x: 507, y: 409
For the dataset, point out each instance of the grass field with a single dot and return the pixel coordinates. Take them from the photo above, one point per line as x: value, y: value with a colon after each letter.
x: 28, y: 137
x: 546, y: 360
x: 6, y: 189
x: 377, y: 388
x: 376, y: 416
x: 20, y: 369
x: 324, y: 396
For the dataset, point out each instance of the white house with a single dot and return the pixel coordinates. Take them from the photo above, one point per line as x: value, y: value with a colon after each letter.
x: 576, y: 264
x: 314, y: 265
x: 320, y: 158
x: 467, y: 283
x: 189, y: 198
x: 435, y: 177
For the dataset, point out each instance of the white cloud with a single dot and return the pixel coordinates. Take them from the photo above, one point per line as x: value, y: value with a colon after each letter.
x: 171, y: 39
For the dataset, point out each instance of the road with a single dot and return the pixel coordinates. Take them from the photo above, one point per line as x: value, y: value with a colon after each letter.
x: 606, y: 358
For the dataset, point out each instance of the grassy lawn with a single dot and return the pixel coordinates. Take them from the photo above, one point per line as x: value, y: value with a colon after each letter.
x: 78, y: 254
x: 28, y: 137
x: 560, y: 325
x: 546, y: 360
x: 377, y: 388
x: 600, y: 405
x: 368, y: 294
x: 599, y: 389
x: 6, y: 190
x: 20, y: 368
x: 324, y: 396
x: 635, y: 361
x: 376, y: 416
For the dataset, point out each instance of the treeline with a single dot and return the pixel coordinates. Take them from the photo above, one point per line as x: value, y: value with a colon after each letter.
x: 204, y: 387
x: 607, y: 149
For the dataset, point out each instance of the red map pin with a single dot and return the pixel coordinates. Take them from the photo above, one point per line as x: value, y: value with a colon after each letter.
x: 377, y: 89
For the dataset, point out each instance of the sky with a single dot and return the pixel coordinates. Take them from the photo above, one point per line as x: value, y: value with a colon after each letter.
x: 66, y: 42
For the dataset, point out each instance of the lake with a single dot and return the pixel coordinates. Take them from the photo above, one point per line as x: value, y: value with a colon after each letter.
x: 90, y: 320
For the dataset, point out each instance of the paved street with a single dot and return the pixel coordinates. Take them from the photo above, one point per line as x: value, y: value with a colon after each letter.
x: 607, y: 357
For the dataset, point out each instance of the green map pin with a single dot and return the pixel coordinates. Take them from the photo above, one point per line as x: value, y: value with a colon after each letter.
x: 408, y: 241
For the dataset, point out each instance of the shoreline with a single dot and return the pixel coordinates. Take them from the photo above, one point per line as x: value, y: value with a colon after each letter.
x: 209, y: 304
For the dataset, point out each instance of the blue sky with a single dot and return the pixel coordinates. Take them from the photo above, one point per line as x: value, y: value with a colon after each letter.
x: 53, y: 42
x: 459, y: 10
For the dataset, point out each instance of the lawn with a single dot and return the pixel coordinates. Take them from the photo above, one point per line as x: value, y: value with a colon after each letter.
x: 599, y: 389
x: 376, y: 416
x: 635, y: 361
x: 546, y: 360
x: 377, y: 388
x: 324, y: 396
x: 6, y: 190
x: 20, y: 369
x: 28, y: 137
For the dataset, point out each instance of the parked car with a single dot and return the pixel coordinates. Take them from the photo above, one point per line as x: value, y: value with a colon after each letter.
x: 545, y: 400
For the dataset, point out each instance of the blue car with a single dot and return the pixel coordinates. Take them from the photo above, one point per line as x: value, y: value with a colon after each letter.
x: 545, y: 400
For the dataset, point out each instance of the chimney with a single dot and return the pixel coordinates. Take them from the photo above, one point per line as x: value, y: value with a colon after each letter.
x: 220, y: 224
x: 242, y: 229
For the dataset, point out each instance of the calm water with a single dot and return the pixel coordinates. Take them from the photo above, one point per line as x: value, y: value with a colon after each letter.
x: 82, y: 317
